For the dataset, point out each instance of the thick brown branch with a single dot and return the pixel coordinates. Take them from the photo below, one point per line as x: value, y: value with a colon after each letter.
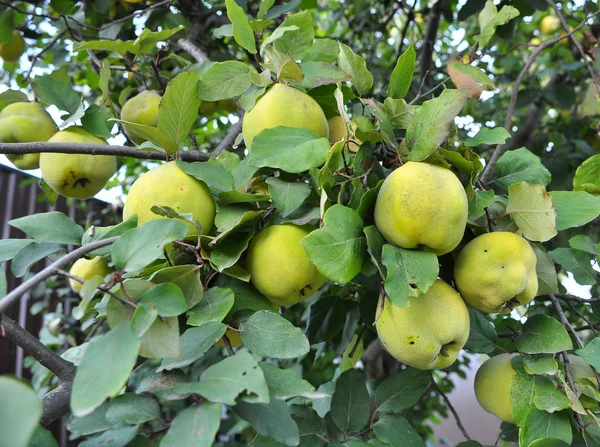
x: 94, y: 149
x: 433, y: 24
x: 56, y: 402
x: 51, y: 270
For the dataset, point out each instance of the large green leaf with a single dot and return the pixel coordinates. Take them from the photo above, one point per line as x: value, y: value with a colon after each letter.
x: 286, y: 383
x: 215, y: 306
x: 409, y: 273
x: 270, y: 335
x: 576, y: 262
x: 297, y: 43
x: 140, y: 246
x: 132, y: 409
x: 397, y: 432
x: 591, y: 353
x: 193, y: 344
x: 337, y: 249
x: 178, y: 107
x: 287, y: 196
x: 482, y: 335
x: 574, y: 208
x: 350, y: 408
x: 587, y: 176
x: 431, y: 123
x: 402, y: 74
x: 194, y: 426
x: 401, y: 390
x: 292, y: 149
x: 20, y: 412
x: 104, y: 369
x: 272, y: 419
x: 224, y: 381
x: 356, y: 67
x: 543, y: 335
x: 50, y: 227
x: 242, y: 32
x: 224, y: 80
x: 490, y: 19
x: 520, y: 165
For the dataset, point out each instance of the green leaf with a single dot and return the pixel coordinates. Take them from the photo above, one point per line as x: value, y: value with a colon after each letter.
x: 431, y: 123
x: 224, y: 80
x: 98, y: 121
x: 167, y: 299
x: 584, y: 243
x: 398, y: 112
x: 482, y: 336
x: 520, y: 165
x: 522, y: 391
x: 489, y: 19
x: 574, y: 208
x: 140, y: 246
x: 401, y: 390
x: 195, y: 426
x: 531, y: 208
x: 287, y: 196
x: 540, y: 364
x: 478, y: 203
x: 230, y: 249
x: 10, y: 247
x: 193, y: 344
x: 31, y: 254
x: 402, y: 74
x: 187, y: 277
x: 397, y: 432
x: 587, y: 176
x: 56, y: 93
x: 104, y: 369
x: 337, y: 249
x: 215, y: 306
x: 20, y: 412
x: 286, y: 383
x: 178, y: 108
x: 591, y: 353
x: 50, y: 227
x: 409, y: 272
x: 272, y: 419
x: 217, y: 178
x: 540, y: 424
x: 543, y: 335
x: 547, y: 397
x: 297, y: 43
x: 153, y: 134
x: 101, y: 233
x: 269, y: 335
x: 116, y: 437
x: 132, y: 409
x: 320, y: 73
x: 546, y: 273
x: 7, y: 25
x: 277, y: 34
x: 291, y: 149
x: 576, y: 262
x: 3, y: 284
x: 497, y: 135
x: 326, y: 319
x: 350, y: 409
x: 162, y: 384
x: 142, y: 320
x: 11, y: 96
x: 43, y: 438
x: 356, y: 67
x: 242, y: 32
x: 286, y: 68
x: 224, y: 381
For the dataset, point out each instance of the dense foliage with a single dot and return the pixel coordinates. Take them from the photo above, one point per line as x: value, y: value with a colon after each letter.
x: 173, y: 341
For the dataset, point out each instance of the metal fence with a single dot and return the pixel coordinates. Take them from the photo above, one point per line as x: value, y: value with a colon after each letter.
x: 21, y: 195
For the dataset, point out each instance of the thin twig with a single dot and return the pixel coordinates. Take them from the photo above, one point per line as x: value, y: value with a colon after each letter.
x: 229, y: 139
x: 102, y: 289
x: 95, y: 149
x: 563, y: 319
x: 568, y: 297
x: 40, y: 53
x: 227, y: 344
x: 49, y: 271
x: 583, y: 317
x: 8, y: 5
x: 452, y: 409
x: 358, y: 339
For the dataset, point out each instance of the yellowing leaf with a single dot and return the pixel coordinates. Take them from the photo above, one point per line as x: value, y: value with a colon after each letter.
x: 532, y: 209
